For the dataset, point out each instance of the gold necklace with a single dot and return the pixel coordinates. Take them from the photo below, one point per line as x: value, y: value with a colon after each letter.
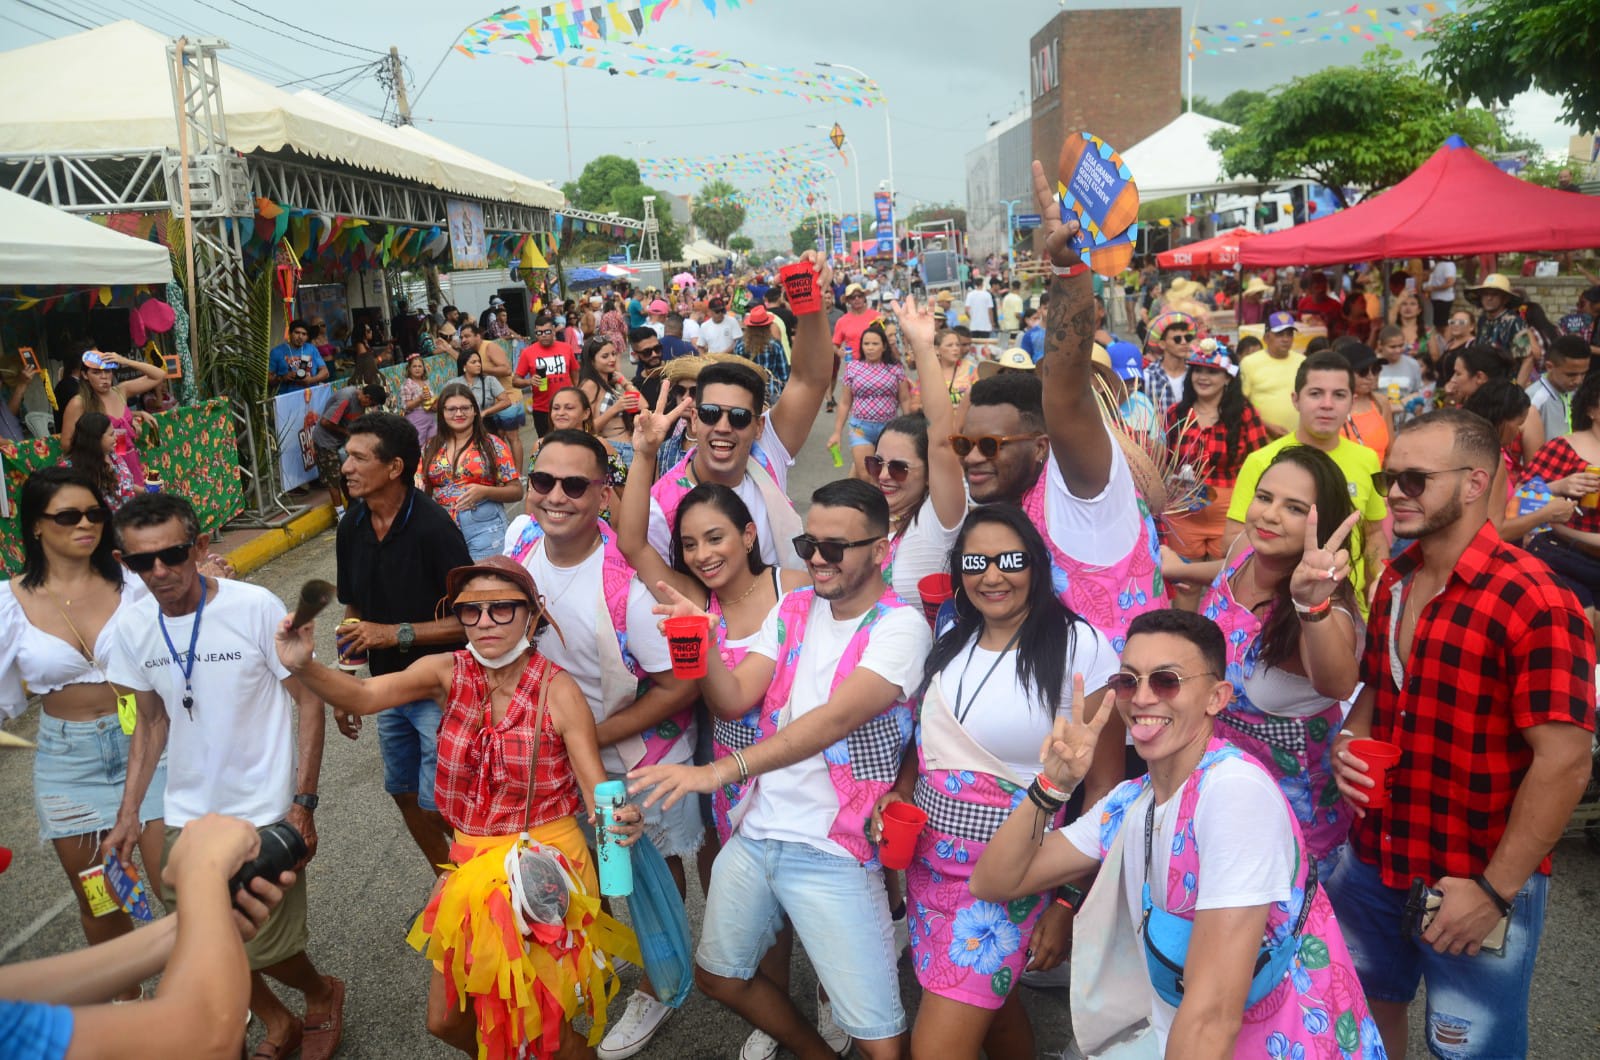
x: 754, y: 585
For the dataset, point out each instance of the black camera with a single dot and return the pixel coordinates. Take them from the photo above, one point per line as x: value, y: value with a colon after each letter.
x: 282, y: 848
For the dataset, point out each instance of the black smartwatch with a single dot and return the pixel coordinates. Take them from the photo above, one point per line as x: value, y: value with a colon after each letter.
x: 306, y: 799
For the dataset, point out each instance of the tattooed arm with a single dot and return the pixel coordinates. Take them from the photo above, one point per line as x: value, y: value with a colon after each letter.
x: 1078, y: 438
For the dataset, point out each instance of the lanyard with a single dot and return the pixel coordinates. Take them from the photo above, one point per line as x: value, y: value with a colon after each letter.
x: 194, y: 638
x: 961, y: 715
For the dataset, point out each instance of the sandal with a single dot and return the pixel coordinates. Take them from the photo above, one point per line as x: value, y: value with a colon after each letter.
x: 271, y: 1050
x: 324, y: 1035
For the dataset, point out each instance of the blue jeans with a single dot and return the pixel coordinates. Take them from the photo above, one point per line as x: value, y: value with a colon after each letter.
x: 838, y: 909
x: 1477, y: 1006
x: 484, y: 527
x: 408, y: 738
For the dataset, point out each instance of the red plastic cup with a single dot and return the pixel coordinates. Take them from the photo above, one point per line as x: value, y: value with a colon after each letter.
x: 686, y: 644
x: 902, y: 823
x: 800, y: 287
x: 1380, y: 757
x: 935, y: 589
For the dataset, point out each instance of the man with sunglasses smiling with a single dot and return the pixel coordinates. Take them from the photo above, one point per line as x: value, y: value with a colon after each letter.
x: 1479, y: 666
x: 611, y: 646
x: 746, y: 447
x: 1172, y: 334
x: 1041, y: 444
x: 838, y: 663
x: 200, y: 658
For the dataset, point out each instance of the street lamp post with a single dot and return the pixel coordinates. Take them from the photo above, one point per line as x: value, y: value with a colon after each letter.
x: 1011, y: 240
x: 888, y: 136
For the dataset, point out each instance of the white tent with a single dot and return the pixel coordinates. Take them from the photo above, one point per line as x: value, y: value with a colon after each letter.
x: 43, y: 246
x: 1177, y: 160
x: 702, y: 251
x: 110, y: 88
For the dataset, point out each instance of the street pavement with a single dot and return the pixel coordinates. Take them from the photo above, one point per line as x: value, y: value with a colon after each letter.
x: 368, y: 881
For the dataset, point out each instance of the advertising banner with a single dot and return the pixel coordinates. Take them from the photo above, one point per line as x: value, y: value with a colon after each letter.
x: 838, y: 240
x: 294, y: 413
x: 884, y: 210
x: 468, y: 247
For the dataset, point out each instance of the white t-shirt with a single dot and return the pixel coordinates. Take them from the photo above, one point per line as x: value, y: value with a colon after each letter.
x: 924, y: 550
x: 1443, y: 272
x: 660, y: 532
x: 574, y: 597
x: 719, y: 338
x: 980, y: 310
x: 1239, y: 866
x: 1098, y: 530
x: 1009, y: 723
x: 691, y: 331
x: 236, y: 754
x: 797, y: 804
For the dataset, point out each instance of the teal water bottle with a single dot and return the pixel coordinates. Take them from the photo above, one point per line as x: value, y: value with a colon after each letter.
x: 615, y: 861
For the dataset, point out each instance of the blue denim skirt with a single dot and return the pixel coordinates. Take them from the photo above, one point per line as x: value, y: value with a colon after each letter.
x: 79, y: 774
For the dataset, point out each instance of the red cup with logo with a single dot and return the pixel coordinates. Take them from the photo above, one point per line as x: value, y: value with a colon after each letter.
x: 800, y: 287
x: 686, y: 644
x: 935, y: 589
x: 1381, y: 756
x: 902, y: 823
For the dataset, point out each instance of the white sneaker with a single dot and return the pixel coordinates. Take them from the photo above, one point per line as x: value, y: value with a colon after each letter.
x: 639, y: 1023
x: 759, y: 1046
x: 831, y: 1032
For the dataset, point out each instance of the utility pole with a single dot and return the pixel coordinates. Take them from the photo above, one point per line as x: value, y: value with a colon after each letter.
x: 397, y: 71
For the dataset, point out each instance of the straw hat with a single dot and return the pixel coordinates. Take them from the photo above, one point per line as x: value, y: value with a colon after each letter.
x: 1015, y: 359
x: 1256, y: 286
x: 1494, y: 282
x: 687, y: 369
x: 1182, y: 290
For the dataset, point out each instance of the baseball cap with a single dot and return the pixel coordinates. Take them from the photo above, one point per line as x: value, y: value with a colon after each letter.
x: 658, y: 306
x: 717, y: 305
x: 1125, y: 360
x: 496, y: 302
x: 1281, y: 322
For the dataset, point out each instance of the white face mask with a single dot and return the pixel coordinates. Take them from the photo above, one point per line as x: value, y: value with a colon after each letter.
x: 499, y: 662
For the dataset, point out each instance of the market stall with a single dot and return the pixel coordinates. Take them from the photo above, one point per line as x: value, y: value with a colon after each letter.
x: 1219, y: 252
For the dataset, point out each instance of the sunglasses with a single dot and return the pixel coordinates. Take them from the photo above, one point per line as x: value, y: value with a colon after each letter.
x: 1164, y: 683
x: 738, y: 418
x: 545, y: 331
x: 1182, y: 336
x: 1411, y: 483
x: 1008, y: 562
x: 831, y: 551
x: 648, y: 351
x: 1370, y: 369
x: 96, y: 515
x: 500, y: 612
x: 898, y: 469
x: 145, y: 562
x: 988, y: 446
x: 574, y: 486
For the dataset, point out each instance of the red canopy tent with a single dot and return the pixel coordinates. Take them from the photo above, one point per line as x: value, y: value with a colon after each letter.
x: 1218, y: 252
x: 1456, y: 203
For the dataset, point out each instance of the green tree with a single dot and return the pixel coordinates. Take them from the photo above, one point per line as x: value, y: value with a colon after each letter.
x: 803, y: 236
x: 1233, y: 108
x: 1364, y: 126
x: 612, y: 182
x: 1500, y: 48
x: 741, y: 244
x: 718, y: 211
x: 940, y: 211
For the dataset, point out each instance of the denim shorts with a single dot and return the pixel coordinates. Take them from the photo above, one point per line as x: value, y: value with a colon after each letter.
x: 408, y: 737
x: 484, y: 527
x: 79, y: 773
x: 1477, y: 1006
x: 837, y: 907
x: 865, y: 432
x: 510, y: 419
x: 624, y: 452
x: 676, y: 833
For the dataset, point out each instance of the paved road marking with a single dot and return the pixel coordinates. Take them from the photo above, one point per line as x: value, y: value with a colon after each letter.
x: 38, y: 925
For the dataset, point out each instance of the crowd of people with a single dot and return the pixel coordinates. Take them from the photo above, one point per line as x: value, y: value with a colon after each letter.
x: 1117, y: 617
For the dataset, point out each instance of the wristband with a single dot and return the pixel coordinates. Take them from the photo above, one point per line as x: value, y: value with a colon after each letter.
x: 744, y: 770
x: 1068, y: 271
x: 1050, y: 804
x: 717, y: 773
x: 1313, y: 609
x: 1494, y: 895
x: 1049, y: 788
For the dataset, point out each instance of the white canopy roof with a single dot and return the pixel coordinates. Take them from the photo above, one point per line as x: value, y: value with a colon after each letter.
x: 109, y: 88
x: 41, y: 245
x: 1177, y: 160
x: 703, y: 250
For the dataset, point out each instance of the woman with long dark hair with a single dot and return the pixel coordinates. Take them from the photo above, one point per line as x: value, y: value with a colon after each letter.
x: 1506, y: 406
x: 613, y: 399
x: 101, y: 392
x: 489, y: 393
x: 416, y: 397
x: 1292, y: 646
x: 1572, y: 549
x: 873, y: 389
x: 94, y: 453
x: 470, y: 471
x: 58, y: 628
x: 1212, y: 427
x: 992, y: 690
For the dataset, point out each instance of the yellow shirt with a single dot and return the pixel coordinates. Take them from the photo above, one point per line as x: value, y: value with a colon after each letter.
x: 1359, y: 465
x: 1269, y: 385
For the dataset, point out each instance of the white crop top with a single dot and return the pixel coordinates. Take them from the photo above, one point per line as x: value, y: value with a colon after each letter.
x: 48, y: 663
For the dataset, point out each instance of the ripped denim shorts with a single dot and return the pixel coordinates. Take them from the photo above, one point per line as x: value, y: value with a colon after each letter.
x: 79, y: 773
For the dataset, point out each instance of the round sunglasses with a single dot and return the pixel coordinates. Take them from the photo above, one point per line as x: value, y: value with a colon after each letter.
x: 574, y: 486
x: 988, y: 445
x: 899, y: 470
x: 1164, y: 683
x: 500, y: 612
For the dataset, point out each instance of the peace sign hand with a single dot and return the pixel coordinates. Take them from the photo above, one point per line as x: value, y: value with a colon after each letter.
x: 916, y: 321
x: 677, y: 605
x: 650, y: 426
x: 1322, y: 568
x: 1058, y: 234
x: 1068, y: 752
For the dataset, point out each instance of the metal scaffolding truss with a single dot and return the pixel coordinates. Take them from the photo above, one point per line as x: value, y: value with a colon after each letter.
x: 90, y: 181
x: 601, y: 218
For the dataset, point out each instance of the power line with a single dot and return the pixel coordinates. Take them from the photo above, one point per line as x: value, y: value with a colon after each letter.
x: 301, y: 29
x: 634, y: 127
x: 55, y: 14
x: 30, y: 29
x: 269, y: 29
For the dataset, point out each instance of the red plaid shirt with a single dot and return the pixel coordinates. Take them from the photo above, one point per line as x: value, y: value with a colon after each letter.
x: 1557, y: 459
x: 482, y: 783
x: 1210, y: 444
x: 1503, y: 648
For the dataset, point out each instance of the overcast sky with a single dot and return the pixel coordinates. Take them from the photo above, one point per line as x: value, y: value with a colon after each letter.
x: 947, y: 73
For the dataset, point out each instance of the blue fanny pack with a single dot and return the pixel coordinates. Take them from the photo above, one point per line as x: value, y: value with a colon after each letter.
x: 1166, y: 938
